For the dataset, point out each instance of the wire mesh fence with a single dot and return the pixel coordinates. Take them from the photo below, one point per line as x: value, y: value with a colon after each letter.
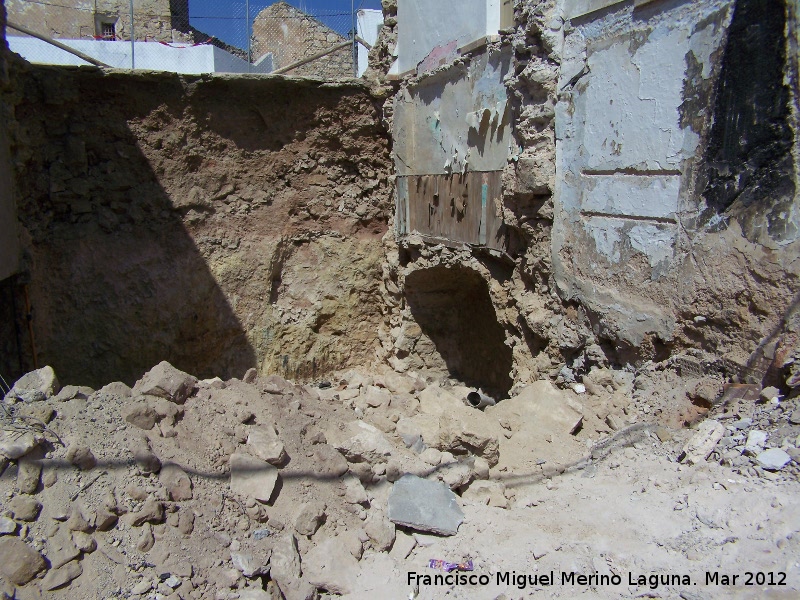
x: 313, y: 38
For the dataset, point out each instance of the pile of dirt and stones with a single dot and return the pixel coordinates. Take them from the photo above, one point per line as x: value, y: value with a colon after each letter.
x: 366, y: 484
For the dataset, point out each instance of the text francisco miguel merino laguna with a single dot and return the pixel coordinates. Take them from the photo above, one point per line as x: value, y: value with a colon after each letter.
x: 651, y: 580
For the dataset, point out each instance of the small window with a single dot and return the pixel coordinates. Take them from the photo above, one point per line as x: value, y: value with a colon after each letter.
x: 107, y: 32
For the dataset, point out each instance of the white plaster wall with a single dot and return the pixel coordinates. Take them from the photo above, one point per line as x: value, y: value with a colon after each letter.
x: 150, y: 56
x: 624, y: 160
x: 368, y: 22
x: 427, y: 24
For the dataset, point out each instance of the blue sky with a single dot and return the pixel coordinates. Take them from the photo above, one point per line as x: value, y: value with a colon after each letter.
x: 226, y: 20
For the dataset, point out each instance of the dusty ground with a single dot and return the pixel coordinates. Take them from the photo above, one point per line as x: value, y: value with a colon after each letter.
x: 159, y: 508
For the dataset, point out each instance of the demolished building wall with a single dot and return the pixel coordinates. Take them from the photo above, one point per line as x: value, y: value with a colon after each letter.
x: 160, y: 20
x: 161, y: 220
x: 614, y: 252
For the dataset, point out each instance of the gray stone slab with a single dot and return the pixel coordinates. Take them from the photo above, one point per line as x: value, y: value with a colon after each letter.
x: 773, y: 460
x: 424, y: 505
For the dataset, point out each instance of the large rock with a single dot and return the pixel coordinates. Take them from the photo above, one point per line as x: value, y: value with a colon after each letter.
x: 14, y: 445
x: 425, y: 506
x: 360, y: 442
x: 326, y: 567
x: 166, y: 381
x: 469, y: 431
x: 252, y: 477
x: 25, y: 507
x: 263, y: 441
x: 328, y: 462
x: 40, y: 384
x: 19, y: 563
x: 541, y: 404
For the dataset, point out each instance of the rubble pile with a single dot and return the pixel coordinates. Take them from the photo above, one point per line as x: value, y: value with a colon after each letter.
x: 261, y: 488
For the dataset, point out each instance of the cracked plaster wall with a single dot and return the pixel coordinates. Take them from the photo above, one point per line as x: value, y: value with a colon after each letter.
x: 634, y: 241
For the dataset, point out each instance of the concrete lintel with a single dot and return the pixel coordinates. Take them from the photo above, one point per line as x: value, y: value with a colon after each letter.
x: 580, y: 8
x: 479, y: 43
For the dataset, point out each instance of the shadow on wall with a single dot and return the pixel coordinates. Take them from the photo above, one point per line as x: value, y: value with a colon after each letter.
x: 750, y: 166
x: 116, y: 282
x: 453, y: 308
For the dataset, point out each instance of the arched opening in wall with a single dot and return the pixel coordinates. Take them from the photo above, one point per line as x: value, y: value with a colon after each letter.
x: 452, y: 307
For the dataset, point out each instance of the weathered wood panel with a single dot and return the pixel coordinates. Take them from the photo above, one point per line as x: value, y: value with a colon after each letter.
x: 457, y: 207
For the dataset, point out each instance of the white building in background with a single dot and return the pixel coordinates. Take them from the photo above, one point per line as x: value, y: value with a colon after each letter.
x: 153, y: 56
x: 368, y: 24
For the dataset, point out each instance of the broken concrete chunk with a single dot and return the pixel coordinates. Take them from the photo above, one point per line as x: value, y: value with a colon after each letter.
x: 253, y: 477
x: 469, y: 431
x: 166, y: 381
x: 116, y: 388
x: 176, y: 482
x: 40, y: 384
x: 773, y: 460
x: 140, y: 414
x: 403, y: 545
x: 28, y: 476
x: 19, y: 563
x: 487, y: 492
x: 551, y: 408
x: 145, y: 459
x: 62, y: 549
x: 249, y: 565
x: 702, y: 443
x: 146, y: 540
x: 399, y: 384
x: 381, y: 531
x: 14, y: 446
x: 425, y: 506
x: 328, y: 462
x: 376, y: 397
x: 152, y: 511
x: 81, y: 456
x: 755, y: 441
x: 263, y: 442
x: 354, y: 491
x: 359, y: 442
x: 326, y: 567
x: 72, y: 392
x: 769, y: 393
x: 309, y: 518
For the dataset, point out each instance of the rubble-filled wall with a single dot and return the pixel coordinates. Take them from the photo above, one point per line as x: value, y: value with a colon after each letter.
x: 291, y: 35
x: 220, y: 223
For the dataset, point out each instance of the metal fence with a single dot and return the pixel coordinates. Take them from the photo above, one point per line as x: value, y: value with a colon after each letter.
x: 315, y: 38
